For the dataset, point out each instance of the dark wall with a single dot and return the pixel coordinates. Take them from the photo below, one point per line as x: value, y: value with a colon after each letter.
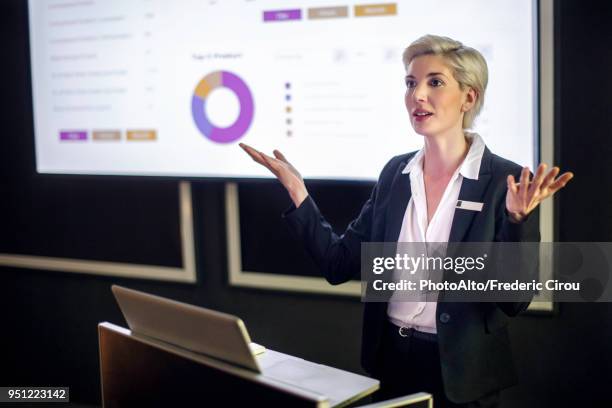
x: 49, y: 318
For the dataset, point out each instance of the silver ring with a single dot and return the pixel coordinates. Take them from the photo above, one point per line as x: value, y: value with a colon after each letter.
x: 401, y: 333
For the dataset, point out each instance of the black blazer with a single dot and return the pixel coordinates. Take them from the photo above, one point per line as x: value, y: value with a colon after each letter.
x: 473, y: 339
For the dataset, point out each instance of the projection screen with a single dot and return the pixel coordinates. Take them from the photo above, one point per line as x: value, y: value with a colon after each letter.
x: 169, y: 88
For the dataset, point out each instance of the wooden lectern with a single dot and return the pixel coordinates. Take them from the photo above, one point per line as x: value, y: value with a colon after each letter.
x: 140, y: 371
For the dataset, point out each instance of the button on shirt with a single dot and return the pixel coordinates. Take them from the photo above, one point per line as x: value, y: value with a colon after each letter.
x: 422, y: 315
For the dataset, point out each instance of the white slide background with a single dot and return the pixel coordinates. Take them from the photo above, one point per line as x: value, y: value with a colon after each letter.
x: 123, y: 65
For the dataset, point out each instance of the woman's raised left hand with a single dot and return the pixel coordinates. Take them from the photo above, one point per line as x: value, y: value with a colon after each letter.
x: 526, y: 195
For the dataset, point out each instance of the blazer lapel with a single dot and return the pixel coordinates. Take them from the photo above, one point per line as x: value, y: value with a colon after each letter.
x: 401, y: 192
x: 471, y: 190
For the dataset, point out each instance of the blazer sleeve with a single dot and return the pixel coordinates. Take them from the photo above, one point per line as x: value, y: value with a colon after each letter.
x: 526, y: 231
x: 338, y: 257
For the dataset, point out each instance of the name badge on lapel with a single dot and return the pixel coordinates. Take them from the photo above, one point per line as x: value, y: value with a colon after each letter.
x: 469, y: 205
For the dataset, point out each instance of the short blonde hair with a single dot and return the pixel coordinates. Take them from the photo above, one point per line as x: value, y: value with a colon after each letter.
x: 468, y: 65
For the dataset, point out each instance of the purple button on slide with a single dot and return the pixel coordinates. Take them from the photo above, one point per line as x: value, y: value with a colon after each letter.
x: 73, y: 135
x: 282, y: 15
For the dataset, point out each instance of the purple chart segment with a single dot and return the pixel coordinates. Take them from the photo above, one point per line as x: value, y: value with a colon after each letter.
x: 198, y: 107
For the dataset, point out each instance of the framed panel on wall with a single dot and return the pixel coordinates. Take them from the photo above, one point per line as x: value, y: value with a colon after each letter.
x: 109, y: 228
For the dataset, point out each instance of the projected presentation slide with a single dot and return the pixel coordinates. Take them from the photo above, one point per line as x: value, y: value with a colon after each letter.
x: 169, y: 88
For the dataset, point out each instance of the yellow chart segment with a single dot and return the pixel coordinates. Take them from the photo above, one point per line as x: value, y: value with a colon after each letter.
x: 207, y: 84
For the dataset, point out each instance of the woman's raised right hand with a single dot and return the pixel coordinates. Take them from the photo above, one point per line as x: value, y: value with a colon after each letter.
x: 284, y: 171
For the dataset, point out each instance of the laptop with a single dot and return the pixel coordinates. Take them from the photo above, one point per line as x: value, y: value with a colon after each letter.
x: 225, y: 337
x: 194, y: 328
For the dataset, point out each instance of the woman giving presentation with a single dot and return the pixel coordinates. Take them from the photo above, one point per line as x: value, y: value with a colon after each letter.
x: 459, y: 352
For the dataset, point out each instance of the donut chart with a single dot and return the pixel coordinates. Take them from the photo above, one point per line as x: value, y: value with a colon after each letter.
x: 198, y: 106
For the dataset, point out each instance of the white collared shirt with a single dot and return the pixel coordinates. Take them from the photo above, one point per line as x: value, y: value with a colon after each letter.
x: 422, y: 315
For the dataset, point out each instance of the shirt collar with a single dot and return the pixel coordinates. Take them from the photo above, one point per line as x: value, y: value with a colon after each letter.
x: 470, y: 166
